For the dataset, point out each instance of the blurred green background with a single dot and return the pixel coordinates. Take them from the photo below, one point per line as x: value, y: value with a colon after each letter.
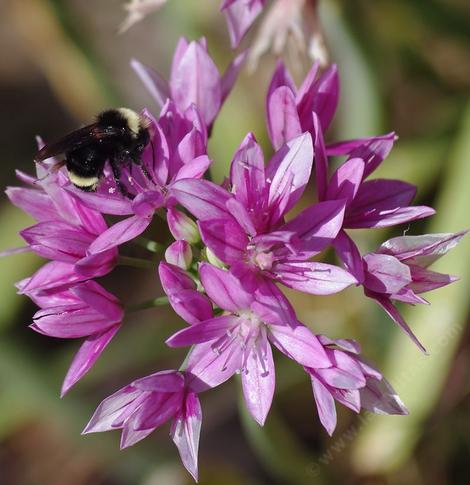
x: 405, y: 66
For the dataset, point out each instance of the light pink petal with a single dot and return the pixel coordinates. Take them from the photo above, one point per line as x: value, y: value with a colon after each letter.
x: 239, y: 15
x: 163, y: 381
x: 379, y: 397
x: 347, y: 345
x: 51, y: 275
x: 86, y: 357
x: 191, y: 306
x: 299, y: 344
x: 259, y: 381
x: 153, y: 414
x: 110, y: 409
x: 427, y: 280
x: 99, y: 299
x: 224, y: 289
x: 385, y: 274
x: 185, y: 432
x: 156, y: 86
x: 421, y: 250
x: 325, y: 405
x: 314, y: 278
x: 194, y: 169
x: 208, y: 367
x: 321, y: 159
x: 283, y: 119
x: 103, y: 202
x: 34, y: 202
x: 119, y: 233
x: 174, y: 279
x: 241, y: 215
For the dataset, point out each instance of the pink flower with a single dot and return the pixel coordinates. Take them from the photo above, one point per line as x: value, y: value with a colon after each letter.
x: 195, y: 80
x: 352, y: 382
x: 144, y: 405
x: 239, y: 339
x: 398, y: 271
x: 85, y: 310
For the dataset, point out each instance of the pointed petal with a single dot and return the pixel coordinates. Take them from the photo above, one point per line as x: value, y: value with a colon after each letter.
x: 299, y: 344
x: 350, y: 255
x: 86, y: 357
x: 321, y: 159
x: 346, y: 181
x: 34, y: 202
x: 314, y: 278
x: 258, y: 381
x: 239, y: 16
x: 155, y: 84
x: 379, y: 397
x: 224, y: 289
x: 163, y: 381
x: 385, y: 274
x: 185, y: 433
x: 325, y: 405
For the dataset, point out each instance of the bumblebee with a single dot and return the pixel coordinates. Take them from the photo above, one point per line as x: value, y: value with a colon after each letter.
x: 118, y: 135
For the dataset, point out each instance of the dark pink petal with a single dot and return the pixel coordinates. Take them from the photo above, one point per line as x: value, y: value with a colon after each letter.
x: 321, y: 159
x: 130, y: 436
x: 34, y: 202
x: 185, y: 432
x: 407, y: 295
x: 271, y: 305
x: 203, y: 199
x: 231, y: 74
x: 208, y: 367
x: 164, y: 381
x: 317, y: 226
x: 194, y: 169
x: 241, y: 215
x: 346, y: 180
x: 289, y: 171
x: 110, y: 409
x: 314, y: 278
x: 421, y: 250
x: 224, y: 289
x: 299, y: 344
x: 247, y: 174
x: 379, y: 397
x: 196, y: 80
x: 156, y: 86
x: 180, y: 254
x: 239, y: 16
x: 145, y: 203
x: 119, y: 233
x: 283, y: 120
x: 103, y: 202
x: 226, y: 239
x: 346, y: 147
x: 174, y: 279
x: 70, y: 322
x: 346, y: 373
x: 427, y: 280
x: 99, y: 299
x: 389, y: 218
x: 385, y: 274
x: 86, y: 357
x: 395, y: 315
x: 191, y: 306
x: 51, y: 275
x: 350, y: 398
x: 325, y: 405
x: 203, y: 331
x: 152, y: 415
x: 258, y: 380
x: 321, y: 98
x: 97, y: 264
x: 305, y: 89
x: 281, y: 77
x: 350, y: 255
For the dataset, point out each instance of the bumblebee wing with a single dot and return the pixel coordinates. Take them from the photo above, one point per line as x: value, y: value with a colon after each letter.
x: 81, y: 137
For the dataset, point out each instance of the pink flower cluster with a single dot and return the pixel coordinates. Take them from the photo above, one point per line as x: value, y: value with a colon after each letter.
x: 235, y: 247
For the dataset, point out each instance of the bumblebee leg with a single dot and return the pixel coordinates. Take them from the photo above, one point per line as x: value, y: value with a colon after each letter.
x: 117, y: 176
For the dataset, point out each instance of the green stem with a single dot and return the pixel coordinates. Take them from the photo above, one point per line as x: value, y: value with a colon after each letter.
x: 155, y: 302
x: 135, y: 262
x: 148, y: 244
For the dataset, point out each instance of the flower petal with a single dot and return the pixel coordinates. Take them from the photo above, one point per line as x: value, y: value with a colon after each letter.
x: 325, y: 405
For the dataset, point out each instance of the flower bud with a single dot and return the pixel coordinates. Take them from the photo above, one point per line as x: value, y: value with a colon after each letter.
x: 179, y: 253
x: 213, y: 259
x: 182, y: 227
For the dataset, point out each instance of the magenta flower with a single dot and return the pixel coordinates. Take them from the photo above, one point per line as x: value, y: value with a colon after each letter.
x: 352, y: 382
x: 245, y: 229
x: 195, y: 80
x: 144, y: 405
x: 65, y: 230
x: 177, y: 151
x: 239, y: 340
x: 85, y: 310
x: 289, y: 111
x: 398, y: 271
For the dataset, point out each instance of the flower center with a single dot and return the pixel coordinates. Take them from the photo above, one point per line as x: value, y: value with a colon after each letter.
x: 262, y: 259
